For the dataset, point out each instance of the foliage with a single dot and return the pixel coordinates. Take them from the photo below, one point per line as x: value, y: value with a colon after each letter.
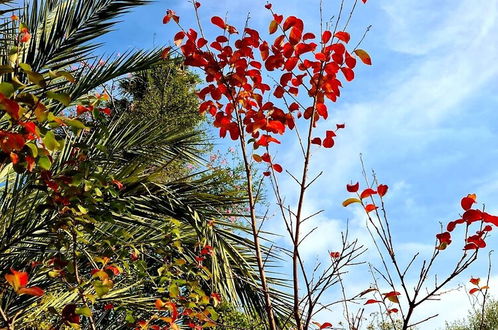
x: 473, y: 320
x: 83, y: 211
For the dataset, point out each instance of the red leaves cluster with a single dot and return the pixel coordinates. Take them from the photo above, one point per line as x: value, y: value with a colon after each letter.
x: 235, y: 90
x: 476, y: 281
x: 470, y: 216
x: 366, y: 193
x: 19, y: 281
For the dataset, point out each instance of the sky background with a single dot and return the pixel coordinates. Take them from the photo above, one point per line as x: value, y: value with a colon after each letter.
x: 424, y: 116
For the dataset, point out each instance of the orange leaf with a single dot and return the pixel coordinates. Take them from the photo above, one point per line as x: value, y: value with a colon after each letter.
x: 370, y: 207
x: 343, y: 36
x: 350, y: 201
x: 363, y: 55
x: 273, y: 27
x: 257, y: 158
x: 367, y: 193
x: 17, y: 279
x: 392, y: 296
x: 32, y: 291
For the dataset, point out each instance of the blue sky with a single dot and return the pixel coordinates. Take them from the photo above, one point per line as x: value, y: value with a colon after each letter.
x: 424, y: 116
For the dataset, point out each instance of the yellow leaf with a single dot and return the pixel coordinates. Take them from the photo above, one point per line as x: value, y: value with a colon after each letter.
x: 350, y: 201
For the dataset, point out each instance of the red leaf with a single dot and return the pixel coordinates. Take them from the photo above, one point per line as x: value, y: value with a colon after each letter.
x: 164, y: 55
x: 17, y: 279
x: 444, y: 237
x: 490, y: 218
x: 335, y: 255
x: 382, y: 189
x: 367, y: 193
x: 289, y: 22
x: 473, y: 290
x: 339, y: 126
x: 266, y: 157
x: 265, y: 140
x: 363, y: 55
x: 14, y: 158
x: 343, y: 36
x: 364, y: 1
x: 197, y: 4
x: 278, y: 18
x: 321, y: 108
x: 170, y: 14
x: 472, y: 215
x: 291, y: 63
x: 218, y: 21
x: 353, y: 187
x: 308, y: 36
x: 372, y: 301
x: 201, y: 42
x: 326, y: 325
x: 277, y: 168
x: 470, y: 246
x: 328, y: 143
x: 317, y: 141
x: 108, y: 307
x: 475, y: 281
x: 268, y: 6
x: 32, y: 291
x: 10, y: 106
x: 467, y: 202
x: 321, y: 57
x: 326, y: 36
x: 266, y: 173
x: 370, y: 207
x: 296, y: 34
x: 118, y: 184
x: 392, y: 310
x: 452, y: 224
x: 178, y: 39
x: 348, y: 73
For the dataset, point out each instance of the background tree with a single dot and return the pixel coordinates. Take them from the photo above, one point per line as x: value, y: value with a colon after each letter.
x: 138, y: 216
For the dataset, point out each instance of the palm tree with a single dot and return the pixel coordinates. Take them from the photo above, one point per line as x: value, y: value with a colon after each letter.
x: 134, y: 151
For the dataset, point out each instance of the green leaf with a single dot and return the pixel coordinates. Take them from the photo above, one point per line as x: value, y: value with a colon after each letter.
x: 50, y: 141
x: 74, y: 123
x: 37, y: 78
x: 213, y: 313
x: 25, y: 67
x: 34, y: 149
x: 61, y: 97
x: 85, y: 311
x: 173, y: 290
x: 7, y: 89
x: 44, y: 162
x: 69, y: 77
x: 100, y: 289
x: 82, y: 209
